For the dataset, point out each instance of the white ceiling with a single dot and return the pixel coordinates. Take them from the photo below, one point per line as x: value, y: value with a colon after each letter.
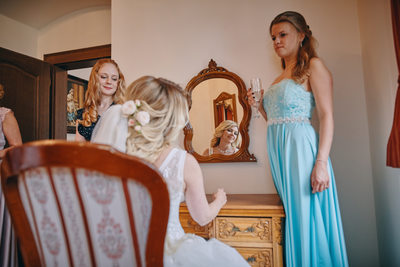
x: 39, y: 13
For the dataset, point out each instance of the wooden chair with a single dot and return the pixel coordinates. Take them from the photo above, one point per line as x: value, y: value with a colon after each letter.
x: 82, y: 204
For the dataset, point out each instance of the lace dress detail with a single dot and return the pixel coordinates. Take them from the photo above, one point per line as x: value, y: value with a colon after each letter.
x: 188, y: 250
x: 172, y: 171
x: 288, y: 102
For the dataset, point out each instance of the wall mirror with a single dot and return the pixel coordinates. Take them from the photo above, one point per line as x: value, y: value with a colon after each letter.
x: 218, y: 97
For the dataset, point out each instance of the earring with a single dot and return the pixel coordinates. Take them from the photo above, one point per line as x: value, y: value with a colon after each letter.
x: 301, y: 44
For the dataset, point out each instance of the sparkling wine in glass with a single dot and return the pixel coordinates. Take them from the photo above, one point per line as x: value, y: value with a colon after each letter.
x: 256, y: 89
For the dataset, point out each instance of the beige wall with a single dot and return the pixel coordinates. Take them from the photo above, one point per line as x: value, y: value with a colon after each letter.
x: 380, y: 72
x: 17, y: 36
x: 84, y: 28
x: 81, y: 29
x: 175, y: 39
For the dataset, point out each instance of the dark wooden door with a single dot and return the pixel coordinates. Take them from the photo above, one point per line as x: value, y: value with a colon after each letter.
x: 29, y: 86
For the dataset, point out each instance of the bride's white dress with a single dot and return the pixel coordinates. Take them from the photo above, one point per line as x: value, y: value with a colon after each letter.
x: 186, y: 250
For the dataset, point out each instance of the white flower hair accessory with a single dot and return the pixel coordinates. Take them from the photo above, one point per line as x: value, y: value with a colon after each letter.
x: 136, y: 118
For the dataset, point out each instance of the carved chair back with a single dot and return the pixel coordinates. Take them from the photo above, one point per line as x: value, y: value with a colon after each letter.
x: 82, y: 204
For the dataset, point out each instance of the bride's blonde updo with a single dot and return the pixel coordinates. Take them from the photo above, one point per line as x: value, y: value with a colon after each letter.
x: 167, y: 106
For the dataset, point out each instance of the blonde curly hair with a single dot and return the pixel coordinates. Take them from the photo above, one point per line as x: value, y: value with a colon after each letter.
x: 93, y: 92
x: 167, y: 106
x: 1, y: 91
x: 219, y: 131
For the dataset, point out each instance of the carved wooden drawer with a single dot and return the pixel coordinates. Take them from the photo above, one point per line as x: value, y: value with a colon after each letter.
x: 190, y: 226
x: 252, y: 224
x: 257, y: 256
x: 235, y: 230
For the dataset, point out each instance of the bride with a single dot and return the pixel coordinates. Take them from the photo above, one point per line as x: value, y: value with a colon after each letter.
x: 146, y: 126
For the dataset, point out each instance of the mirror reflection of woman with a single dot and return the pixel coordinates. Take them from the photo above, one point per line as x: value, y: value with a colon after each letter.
x: 299, y: 157
x: 226, y: 139
x: 106, y: 87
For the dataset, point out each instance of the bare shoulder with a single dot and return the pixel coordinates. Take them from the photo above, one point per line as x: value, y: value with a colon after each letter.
x: 9, y: 116
x: 190, y: 162
x: 192, y: 172
x: 319, y: 71
x: 317, y: 66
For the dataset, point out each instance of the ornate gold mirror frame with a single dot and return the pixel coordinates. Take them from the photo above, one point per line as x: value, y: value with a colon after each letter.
x: 214, y: 72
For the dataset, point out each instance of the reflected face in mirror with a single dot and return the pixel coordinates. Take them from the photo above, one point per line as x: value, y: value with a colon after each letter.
x: 226, y: 139
x: 219, y: 117
x: 213, y: 101
x: 229, y: 136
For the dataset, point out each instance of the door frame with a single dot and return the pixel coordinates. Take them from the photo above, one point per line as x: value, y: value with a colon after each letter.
x: 64, y: 61
x: 78, y: 58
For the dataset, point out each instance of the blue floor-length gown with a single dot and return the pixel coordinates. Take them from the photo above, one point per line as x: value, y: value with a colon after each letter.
x: 313, y: 226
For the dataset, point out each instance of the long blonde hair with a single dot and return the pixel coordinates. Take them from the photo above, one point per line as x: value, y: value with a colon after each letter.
x: 307, y: 48
x: 167, y: 106
x: 93, y: 92
x: 219, y: 131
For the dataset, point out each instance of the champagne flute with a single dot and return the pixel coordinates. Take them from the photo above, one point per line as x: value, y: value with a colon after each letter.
x: 256, y: 89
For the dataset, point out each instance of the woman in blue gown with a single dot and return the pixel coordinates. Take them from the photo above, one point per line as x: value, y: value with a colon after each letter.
x: 299, y: 157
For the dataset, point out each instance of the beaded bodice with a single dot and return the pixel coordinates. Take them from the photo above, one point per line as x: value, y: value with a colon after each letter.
x: 287, y: 101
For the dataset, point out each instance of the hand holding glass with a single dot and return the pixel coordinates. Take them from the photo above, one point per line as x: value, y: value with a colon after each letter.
x: 256, y: 90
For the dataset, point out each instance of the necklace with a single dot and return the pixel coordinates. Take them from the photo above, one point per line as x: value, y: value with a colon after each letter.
x: 226, y: 151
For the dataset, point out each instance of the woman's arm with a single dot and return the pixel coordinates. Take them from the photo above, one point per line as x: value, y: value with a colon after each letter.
x: 322, y: 87
x: 261, y: 108
x: 11, y: 132
x: 200, y: 210
x: 78, y: 136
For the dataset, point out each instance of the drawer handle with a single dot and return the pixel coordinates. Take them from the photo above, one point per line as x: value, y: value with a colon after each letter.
x: 251, y: 259
x: 261, y: 229
x: 249, y: 229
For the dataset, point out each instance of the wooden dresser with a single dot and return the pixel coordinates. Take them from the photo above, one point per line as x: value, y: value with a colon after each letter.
x: 251, y: 223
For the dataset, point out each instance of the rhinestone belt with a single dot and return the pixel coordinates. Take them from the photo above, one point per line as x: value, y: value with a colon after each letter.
x: 288, y: 120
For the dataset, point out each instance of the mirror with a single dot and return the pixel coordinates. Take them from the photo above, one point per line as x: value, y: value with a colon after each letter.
x: 224, y: 107
x: 218, y: 103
